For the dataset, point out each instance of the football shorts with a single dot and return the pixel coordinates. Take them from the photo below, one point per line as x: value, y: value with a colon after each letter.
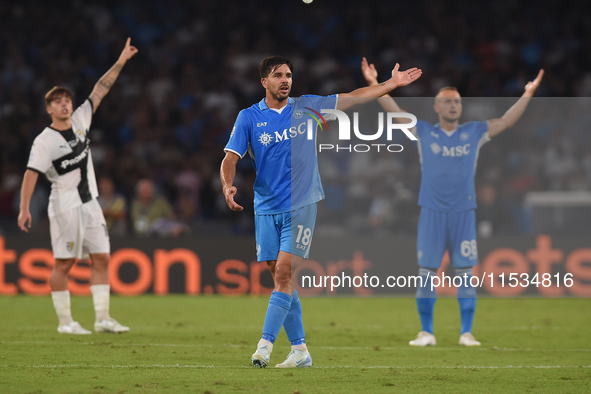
x: 290, y: 232
x: 452, y: 231
x: 79, y: 232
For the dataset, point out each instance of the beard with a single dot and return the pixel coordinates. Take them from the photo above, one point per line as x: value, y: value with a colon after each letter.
x: 280, y: 96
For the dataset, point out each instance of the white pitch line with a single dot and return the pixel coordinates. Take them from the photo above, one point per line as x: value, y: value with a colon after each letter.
x: 311, y: 328
x: 148, y: 366
x: 376, y: 348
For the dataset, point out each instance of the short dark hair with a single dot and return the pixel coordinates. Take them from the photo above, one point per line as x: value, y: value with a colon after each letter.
x: 57, y: 92
x: 443, y: 89
x: 271, y: 63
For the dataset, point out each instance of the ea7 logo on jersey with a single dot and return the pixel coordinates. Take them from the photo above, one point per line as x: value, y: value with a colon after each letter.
x: 261, y: 124
x: 456, y: 151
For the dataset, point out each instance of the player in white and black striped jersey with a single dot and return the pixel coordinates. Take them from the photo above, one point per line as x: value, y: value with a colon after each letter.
x: 77, y: 225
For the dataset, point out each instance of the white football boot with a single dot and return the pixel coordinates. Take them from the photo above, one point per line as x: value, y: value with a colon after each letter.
x: 73, y: 328
x: 110, y: 325
x: 260, y: 358
x: 467, y: 339
x: 296, y: 359
x: 424, y: 339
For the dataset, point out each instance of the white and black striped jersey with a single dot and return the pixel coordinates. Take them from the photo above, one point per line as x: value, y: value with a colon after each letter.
x: 64, y: 157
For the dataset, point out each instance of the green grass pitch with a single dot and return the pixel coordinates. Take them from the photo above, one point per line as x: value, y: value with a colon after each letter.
x: 203, y: 344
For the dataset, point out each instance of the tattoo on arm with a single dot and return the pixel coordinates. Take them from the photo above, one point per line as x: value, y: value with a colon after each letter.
x: 109, y: 78
x: 104, y: 84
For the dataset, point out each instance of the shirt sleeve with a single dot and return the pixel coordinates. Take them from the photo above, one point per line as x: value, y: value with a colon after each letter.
x: 328, y: 102
x: 239, y: 138
x: 419, y: 130
x: 481, y: 131
x: 83, y: 115
x: 318, y: 102
x: 39, y: 158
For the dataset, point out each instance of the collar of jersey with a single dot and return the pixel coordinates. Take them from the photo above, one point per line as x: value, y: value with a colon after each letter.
x: 62, y: 131
x: 444, y: 131
x: 263, y: 105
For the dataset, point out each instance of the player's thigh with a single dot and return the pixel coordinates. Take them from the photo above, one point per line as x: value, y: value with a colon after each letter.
x: 66, y: 234
x: 267, y: 237
x: 462, y: 246
x: 431, y: 237
x: 297, y: 231
x: 96, y: 234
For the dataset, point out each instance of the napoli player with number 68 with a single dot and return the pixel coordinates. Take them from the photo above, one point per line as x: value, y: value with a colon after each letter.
x: 448, y: 152
x: 287, y: 188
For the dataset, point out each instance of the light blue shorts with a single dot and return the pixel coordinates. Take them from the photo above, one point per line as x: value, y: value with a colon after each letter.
x: 452, y: 231
x: 290, y: 232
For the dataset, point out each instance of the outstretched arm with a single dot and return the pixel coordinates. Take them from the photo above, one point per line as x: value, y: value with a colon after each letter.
x: 104, y: 84
x: 386, y: 101
x: 24, y: 216
x: 227, y: 174
x: 369, y: 93
x: 496, y: 126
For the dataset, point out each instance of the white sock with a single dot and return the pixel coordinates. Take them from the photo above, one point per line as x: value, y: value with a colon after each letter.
x: 61, y: 303
x: 264, y: 342
x: 100, y: 297
x: 301, y: 347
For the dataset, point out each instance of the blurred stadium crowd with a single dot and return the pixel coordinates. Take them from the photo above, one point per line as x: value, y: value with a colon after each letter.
x: 157, y: 139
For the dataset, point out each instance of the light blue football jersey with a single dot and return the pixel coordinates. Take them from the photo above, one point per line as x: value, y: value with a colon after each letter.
x: 284, y: 158
x: 448, y: 165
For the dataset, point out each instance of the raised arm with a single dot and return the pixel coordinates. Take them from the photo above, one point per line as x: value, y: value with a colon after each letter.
x: 386, y: 101
x: 369, y: 93
x: 496, y: 126
x: 227, y: 174
x: 104, y: 84
x: 24, y: 215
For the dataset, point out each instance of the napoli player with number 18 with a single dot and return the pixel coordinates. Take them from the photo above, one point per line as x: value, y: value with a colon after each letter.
x: 287, y: 188
x: 448, y: 152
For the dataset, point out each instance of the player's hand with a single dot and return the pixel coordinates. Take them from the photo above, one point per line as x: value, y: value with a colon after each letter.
x: 531, y: 86
x: 369, y: 72
x: 403, y: 78
x: 229, y: 192
x: 24, y: 220
x: 128, y: 52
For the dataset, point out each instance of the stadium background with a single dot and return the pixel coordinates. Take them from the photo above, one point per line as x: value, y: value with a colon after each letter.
x: 168, y: 117
x: 170, y: 113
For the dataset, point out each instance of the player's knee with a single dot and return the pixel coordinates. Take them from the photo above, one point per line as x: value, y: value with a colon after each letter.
x: 271, y: 264
x: 282, y: 275
x: 426, y: 286
x: 464, y: 277
x: 63, y: 265
x: 100, y: 262
x: 466, y: 286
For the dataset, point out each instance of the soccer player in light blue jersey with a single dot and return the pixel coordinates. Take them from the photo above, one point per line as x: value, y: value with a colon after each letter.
x: 448, y: 152
x: 286, y: 189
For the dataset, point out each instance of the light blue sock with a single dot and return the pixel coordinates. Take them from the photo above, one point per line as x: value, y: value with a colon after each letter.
x: 279, y: 305
x: 426, y: 298
x: 293, y: 324
x: 467, y: 299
